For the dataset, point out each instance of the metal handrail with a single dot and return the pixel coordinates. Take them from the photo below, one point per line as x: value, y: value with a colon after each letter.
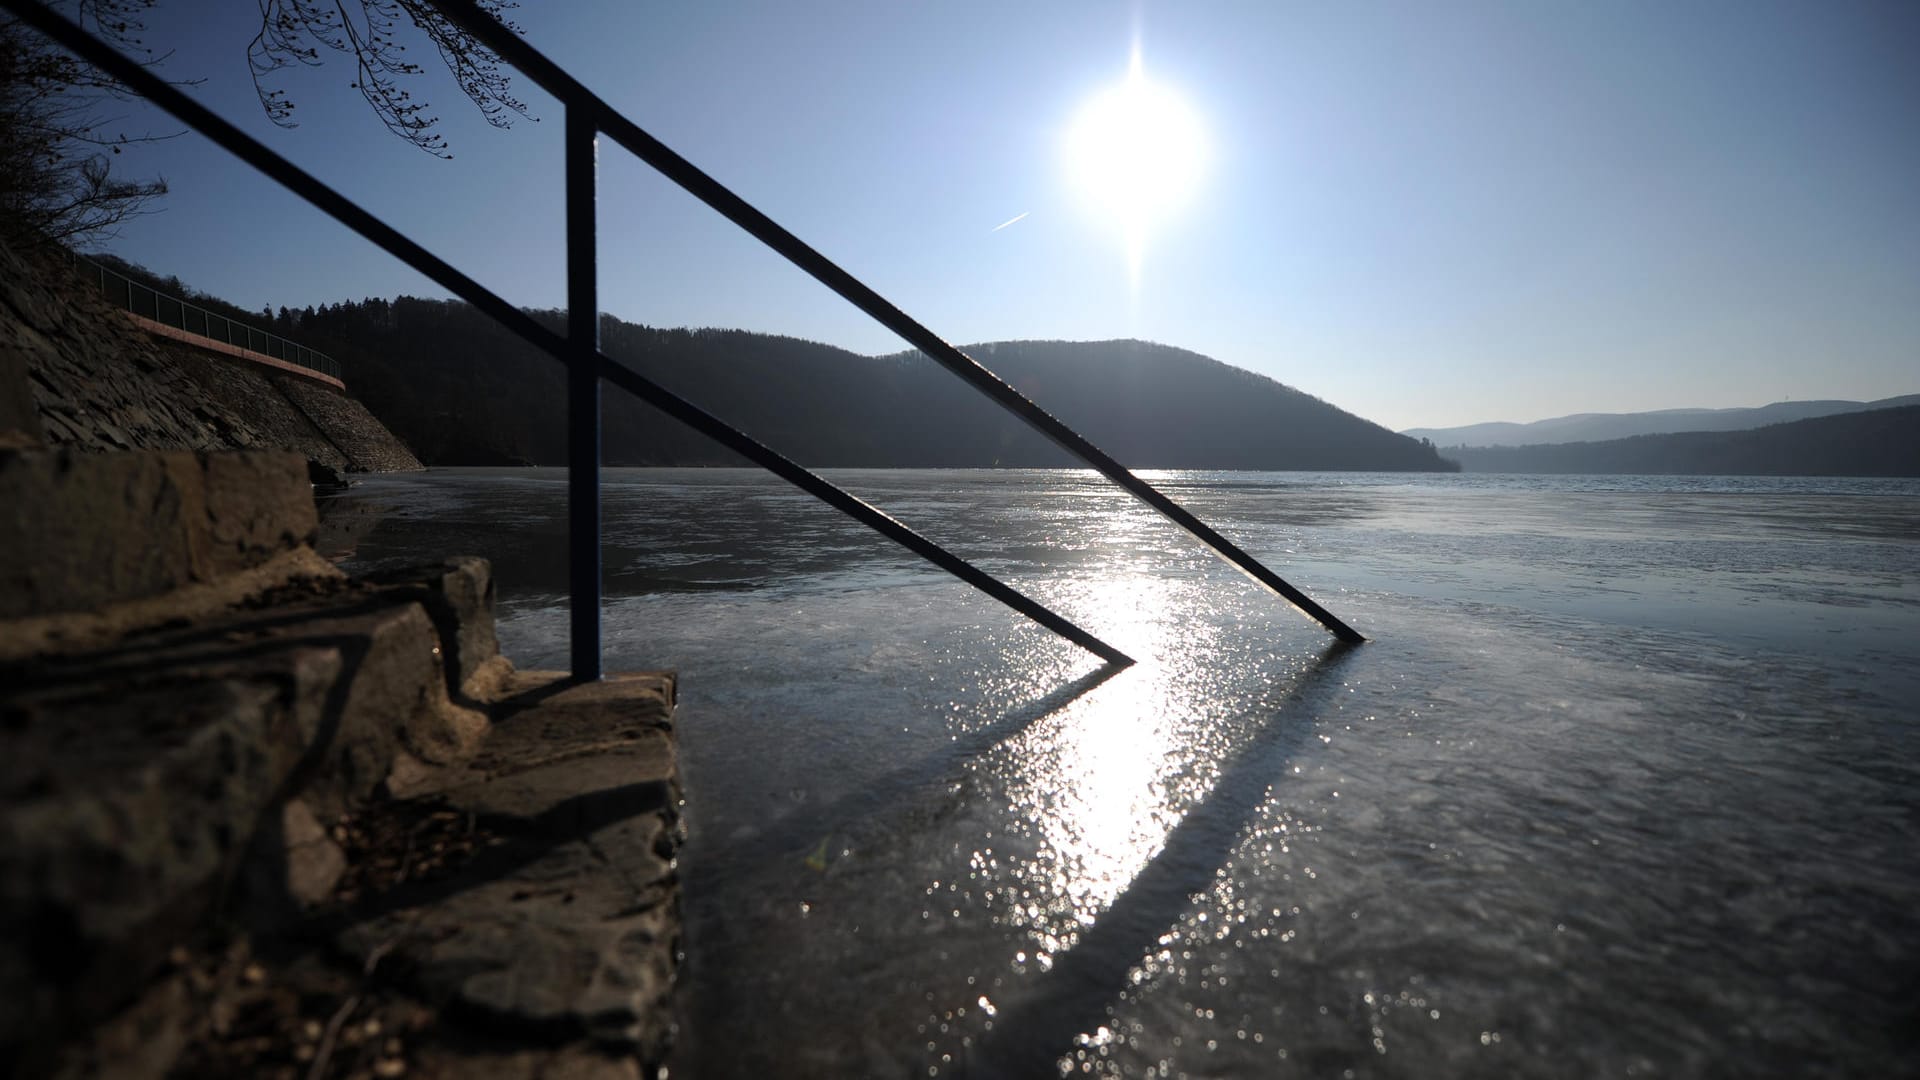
x: 148, y: 302
x: 586, y: 117
x: 604, y: 117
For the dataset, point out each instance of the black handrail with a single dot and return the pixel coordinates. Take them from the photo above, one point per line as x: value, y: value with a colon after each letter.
x: 185, y: 315
x: 583, y: 546
x: 575, y: 94
x: 586, y: 116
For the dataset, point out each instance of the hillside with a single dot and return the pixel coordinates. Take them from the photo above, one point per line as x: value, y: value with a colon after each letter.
x: 89, y: 378
x: 1599, y: 427
x: 1880, y: 442
x: 463, y: 391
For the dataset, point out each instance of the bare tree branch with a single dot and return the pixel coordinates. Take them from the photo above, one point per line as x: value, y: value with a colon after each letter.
x: 56, y: 143
x: 294, y: 32
x: 58, y: 129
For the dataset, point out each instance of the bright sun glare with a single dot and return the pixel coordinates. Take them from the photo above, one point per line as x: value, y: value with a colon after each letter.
x: 1135, y: 151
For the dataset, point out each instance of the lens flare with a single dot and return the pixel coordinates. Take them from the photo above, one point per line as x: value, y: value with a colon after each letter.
x: 1136, y: 153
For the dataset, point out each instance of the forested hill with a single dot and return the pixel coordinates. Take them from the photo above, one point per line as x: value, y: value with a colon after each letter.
x: 1605, y: 427
x: 1883, y: 442
x: 460, y: 390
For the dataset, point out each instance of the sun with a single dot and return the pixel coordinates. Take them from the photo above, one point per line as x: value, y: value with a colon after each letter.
x: 1135, y: 152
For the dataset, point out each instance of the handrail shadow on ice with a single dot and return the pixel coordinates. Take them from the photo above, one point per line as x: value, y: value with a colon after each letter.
x: 1032, y: 1034
x: 796, y: 833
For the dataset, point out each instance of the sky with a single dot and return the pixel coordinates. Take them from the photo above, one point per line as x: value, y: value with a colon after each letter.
x: 1427, y: 213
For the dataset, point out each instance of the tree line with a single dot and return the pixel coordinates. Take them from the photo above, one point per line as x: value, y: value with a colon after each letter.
x: 459, y: 389
x: 1877, y: 442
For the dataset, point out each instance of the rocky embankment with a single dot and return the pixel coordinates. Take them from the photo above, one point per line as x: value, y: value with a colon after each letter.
x: 98, y: 383
x: 258, y: 818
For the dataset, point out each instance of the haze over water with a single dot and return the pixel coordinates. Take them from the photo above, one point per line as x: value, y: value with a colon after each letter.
x: 1624, y: 783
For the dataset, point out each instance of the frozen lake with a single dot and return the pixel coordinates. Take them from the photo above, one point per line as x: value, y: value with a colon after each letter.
x: 1625, y: 782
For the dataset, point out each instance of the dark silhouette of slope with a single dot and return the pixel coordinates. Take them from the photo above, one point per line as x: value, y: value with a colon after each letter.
x: 1600, y: 427
x: 1880, y: 442
x: 1152, y: 405
x: 463, y: 391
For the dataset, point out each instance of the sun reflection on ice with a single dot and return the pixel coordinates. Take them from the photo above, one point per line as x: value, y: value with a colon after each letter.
x: 1095, y: 789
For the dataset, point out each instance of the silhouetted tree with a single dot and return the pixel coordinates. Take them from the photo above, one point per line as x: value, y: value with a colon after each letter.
x: 371, y: 31
x: 57, y: 124
x: 57, y: 131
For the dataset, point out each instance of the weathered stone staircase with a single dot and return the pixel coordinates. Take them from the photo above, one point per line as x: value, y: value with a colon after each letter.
x: 260, y: 818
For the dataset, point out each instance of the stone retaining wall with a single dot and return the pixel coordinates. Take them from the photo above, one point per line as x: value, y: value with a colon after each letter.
x: 99, y: 383
x: 364, y: 440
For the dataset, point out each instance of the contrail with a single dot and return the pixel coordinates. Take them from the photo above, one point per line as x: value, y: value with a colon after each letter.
x: 1010, y: 221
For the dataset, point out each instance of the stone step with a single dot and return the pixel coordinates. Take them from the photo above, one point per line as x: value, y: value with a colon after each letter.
x: 237, y: 787
x: 138, y: 779
x: 565, y: 928
x: 516, y: 918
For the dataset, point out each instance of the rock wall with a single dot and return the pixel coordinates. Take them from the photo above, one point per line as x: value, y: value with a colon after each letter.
x: 354, y: 431
x: 83, y: 531
x: 259, y: 818
x: 99, y: 383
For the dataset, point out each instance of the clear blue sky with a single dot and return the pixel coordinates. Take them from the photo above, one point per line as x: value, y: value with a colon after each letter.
x: 1427, y: 213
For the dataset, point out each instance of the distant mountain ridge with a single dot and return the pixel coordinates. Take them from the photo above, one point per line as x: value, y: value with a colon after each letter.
x: 1598, y: 427
x: 1875, y: 442
x: 461, y: 390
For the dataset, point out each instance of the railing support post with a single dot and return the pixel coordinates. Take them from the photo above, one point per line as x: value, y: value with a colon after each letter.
x: 583, y: 397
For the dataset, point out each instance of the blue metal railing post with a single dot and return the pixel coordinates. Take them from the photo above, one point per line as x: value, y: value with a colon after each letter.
x: 583, y: 396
